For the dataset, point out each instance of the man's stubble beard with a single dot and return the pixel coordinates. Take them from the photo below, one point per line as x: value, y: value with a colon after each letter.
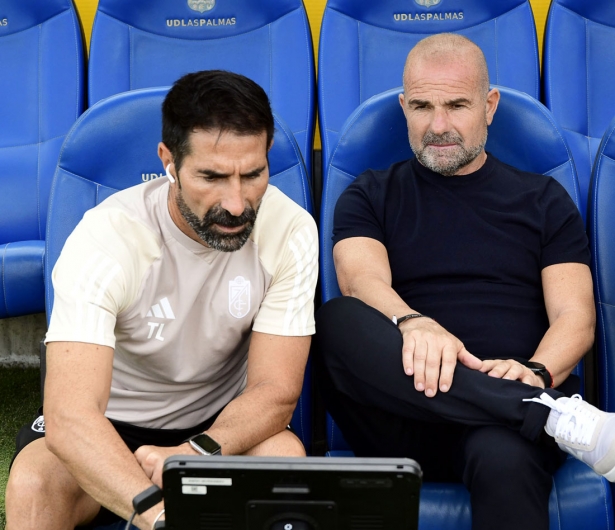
x: 447, y: 165
x: 208, y: 234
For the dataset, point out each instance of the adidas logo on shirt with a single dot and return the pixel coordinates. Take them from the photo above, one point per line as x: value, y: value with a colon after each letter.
x: 160, y: 310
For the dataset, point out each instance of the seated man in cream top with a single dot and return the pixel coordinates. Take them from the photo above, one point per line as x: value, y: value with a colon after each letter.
x: 182, y: 306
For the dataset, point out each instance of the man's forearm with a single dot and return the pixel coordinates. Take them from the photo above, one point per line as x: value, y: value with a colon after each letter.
x: 102, y: 464
x: 378, y: 294
x: 567, y: 340
x: 254, y: 416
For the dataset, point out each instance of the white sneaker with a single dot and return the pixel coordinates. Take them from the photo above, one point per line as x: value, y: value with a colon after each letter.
x: 582, y: 430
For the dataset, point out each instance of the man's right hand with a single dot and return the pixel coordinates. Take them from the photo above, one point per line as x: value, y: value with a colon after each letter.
x: 430, y: 353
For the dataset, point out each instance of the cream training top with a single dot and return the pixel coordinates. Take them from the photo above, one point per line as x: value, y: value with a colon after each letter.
x: 178, y: 314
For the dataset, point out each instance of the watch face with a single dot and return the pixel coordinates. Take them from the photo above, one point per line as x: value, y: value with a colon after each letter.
x: 206, y: 443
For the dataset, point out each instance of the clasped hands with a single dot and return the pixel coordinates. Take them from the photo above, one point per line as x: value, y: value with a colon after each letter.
x: 430, y: 353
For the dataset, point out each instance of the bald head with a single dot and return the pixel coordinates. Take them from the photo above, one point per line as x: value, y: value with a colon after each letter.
x: 445, y: 49
x: 448, y: 104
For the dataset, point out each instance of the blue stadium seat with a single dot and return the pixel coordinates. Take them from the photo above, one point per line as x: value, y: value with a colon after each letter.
x: 41, y: 96
x: 600, y: 224
x: 364, y: 44
x: 114, y: 146
x: 523, y: 134
x: 579, y: 72
x: 148, y: 43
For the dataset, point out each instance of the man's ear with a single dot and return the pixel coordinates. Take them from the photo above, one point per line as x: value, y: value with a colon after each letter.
x: 164, y: 154
x: 402, y: 104
x: 493, y: 99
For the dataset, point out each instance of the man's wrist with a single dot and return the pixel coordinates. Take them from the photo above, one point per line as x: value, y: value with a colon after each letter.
x: 405, y: 322
x: 541, y: 371
x: 203, y: 444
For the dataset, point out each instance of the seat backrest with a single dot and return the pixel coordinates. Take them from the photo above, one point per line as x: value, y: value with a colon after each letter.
x: 41, y: 96
x: 523, y: 134
x: 364, y: 44
x: 114, y: 146
x: 578, y: 73
x: 600, y: 224
x: 148, y: 43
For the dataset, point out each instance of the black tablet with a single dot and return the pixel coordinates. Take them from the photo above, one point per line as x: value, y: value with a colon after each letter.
x: 254, y: 493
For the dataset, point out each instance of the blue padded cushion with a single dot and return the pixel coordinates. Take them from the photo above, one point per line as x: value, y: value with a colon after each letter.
x: 41, y: 96
x: 518, y: 116
x: 148, y: 43
x: 114, y: 146
x: 21, y: 278
x: 601, y: 220
x: 368, y: 41
x: 579, y: 73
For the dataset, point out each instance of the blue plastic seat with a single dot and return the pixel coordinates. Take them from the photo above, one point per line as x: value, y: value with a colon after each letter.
x: 579, y: 73
x: 524, y: 135
x: 41, y: 96
x: 364, y: 44
x: 600, y: 224
x: 114, y: 146
x: 148, y: 43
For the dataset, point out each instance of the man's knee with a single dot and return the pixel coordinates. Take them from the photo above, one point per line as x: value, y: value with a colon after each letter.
x: 40, y: 489
x: 29, y: 476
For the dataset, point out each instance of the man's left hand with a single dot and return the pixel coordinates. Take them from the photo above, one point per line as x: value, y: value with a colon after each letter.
x: 513, y: 370
x: 151, y: 458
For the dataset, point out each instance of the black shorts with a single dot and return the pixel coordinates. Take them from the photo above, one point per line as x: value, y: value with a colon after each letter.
x: 133, y: 436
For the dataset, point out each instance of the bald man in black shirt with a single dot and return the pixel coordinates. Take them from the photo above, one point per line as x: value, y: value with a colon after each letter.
x: 468, y: 302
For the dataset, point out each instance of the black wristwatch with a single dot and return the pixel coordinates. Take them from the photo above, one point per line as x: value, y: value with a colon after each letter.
x: 204, y: 444
x: 541, y: 370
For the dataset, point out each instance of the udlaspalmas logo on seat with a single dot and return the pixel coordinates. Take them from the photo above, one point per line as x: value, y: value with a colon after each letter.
x: 207, y: 5
x: 428, y: 3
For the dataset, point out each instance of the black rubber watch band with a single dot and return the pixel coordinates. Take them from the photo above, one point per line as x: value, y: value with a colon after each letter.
x: 398, y: 321
x: 541, y: 370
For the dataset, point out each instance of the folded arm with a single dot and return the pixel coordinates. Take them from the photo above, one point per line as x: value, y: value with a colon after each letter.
x: 429, y: 351
x: 275, y: 377
x: 569, y: 301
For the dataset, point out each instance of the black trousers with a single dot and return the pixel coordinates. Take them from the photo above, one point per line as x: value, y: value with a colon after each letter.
x: 480, y: 432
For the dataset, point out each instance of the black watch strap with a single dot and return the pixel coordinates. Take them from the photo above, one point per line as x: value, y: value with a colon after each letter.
x: 541, y: 370
x: 398, y: 321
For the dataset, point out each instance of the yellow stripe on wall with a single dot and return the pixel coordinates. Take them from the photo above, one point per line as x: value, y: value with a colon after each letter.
x: 540, y: 9
x: 87, y: 10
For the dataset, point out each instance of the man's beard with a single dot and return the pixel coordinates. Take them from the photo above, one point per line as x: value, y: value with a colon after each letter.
x: 446, y: 164
x: 208, y: 233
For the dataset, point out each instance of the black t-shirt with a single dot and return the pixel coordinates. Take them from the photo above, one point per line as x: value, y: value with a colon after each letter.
x: 469, y: 250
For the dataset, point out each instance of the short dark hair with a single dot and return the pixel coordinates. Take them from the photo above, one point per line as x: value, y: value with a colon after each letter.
x: 213, y: 100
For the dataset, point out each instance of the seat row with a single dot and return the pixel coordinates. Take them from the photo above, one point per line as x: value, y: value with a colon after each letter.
x: 522, y: 135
